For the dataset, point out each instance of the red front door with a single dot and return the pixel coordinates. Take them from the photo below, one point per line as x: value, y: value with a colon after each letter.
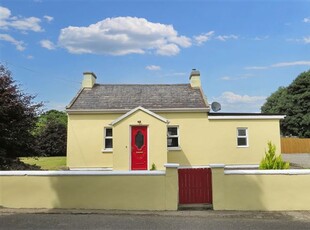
x: 139, y: 148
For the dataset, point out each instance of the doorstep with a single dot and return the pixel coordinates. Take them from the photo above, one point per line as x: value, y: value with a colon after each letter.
x: 195, y: 207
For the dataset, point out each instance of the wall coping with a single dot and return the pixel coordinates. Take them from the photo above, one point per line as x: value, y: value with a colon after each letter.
x: 268, y: 172
x: 171, y: 165
x: 194, y: 166
x: 217, y: 166
x: 253, y: 166
x: 82, y: 173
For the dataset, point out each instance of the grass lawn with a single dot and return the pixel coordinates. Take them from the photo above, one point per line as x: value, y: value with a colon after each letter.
x: 46, y: 163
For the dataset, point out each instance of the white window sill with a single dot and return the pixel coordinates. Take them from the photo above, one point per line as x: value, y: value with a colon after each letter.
x: 245, y: 146
x: 174, y: 149
x: 107, y: 150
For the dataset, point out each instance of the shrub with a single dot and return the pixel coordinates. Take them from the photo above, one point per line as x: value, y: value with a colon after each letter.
x: 153, y: 167
x: 271, y: 160
x: 16, y: 164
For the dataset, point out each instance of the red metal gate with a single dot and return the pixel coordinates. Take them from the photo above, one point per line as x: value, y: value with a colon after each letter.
x: 195, y: 186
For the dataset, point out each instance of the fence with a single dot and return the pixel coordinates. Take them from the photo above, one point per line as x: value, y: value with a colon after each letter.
x: 295, y: 145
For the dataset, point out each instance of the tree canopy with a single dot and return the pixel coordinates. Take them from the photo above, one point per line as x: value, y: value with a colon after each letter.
x: 45, y: 118
x: 294, y: 102
x: 51, y: 134
x: 18, y: 115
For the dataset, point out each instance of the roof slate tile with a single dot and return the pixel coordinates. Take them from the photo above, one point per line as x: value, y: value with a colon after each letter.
x: 114, y: 97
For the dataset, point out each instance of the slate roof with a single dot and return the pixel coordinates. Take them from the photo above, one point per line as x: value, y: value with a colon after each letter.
x: 127, y: 97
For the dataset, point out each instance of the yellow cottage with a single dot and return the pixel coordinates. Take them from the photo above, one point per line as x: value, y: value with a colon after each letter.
x: 142, y: 127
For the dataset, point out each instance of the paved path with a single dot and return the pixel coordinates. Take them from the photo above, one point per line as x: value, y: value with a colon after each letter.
x: 302, y: 159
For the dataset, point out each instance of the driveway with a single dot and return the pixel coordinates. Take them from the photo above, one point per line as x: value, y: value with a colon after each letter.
x: 302, y: 159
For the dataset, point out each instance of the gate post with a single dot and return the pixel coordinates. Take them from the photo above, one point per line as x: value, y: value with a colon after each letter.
x: 217, y: 185
x: 172, y: 186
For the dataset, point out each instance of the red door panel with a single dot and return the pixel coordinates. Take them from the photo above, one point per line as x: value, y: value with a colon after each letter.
x: 139, y: 148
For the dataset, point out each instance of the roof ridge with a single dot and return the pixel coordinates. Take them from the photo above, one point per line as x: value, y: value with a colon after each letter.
x: 179, y: 84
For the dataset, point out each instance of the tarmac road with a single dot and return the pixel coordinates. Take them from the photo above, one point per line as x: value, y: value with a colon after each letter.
x: 75, y: 219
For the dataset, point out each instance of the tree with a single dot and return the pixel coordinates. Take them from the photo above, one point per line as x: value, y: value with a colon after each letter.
x: 18, y: 115
x: 294, y: 102
x: 51, y: 134
x: 50, y: 116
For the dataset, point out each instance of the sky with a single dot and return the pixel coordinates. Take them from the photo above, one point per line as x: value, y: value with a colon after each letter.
x: 244, y: 50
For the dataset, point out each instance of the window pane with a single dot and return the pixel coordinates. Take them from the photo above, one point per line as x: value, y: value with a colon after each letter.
x: 172, y: 131
x: 241, y: 132
x: 108, y: 144
x: 242, y: 141
x: 108, y: 132
x: 139, y: 140
x: 173, y: 142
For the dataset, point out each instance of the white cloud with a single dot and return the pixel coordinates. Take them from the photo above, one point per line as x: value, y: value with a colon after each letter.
x: 47, y: 44
x: 48, y: 18
x: 4, y: 13
x: 24, y: 24
x: 226, y: 78
x: 168, y: 50
x: 232, y: 102
x: 202, y: 38
x: 295, y: 63
x: 30, y: 57
x: 224, y: 38
x: 256, y: 67
x: 306, y: 20
x: 20, y: 45
x: 261, y: 38
x: 17, y: 22
x: 240, y: 77
x: 153, y: 67
x: 121, y: 36
x: 280, y: 64
x: 306, y: 39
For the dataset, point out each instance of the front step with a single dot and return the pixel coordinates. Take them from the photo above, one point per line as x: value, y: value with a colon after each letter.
x: 197, y: 207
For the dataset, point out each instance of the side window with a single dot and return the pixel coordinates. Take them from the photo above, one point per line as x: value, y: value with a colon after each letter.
x: 242, y: 137
x: 108, y: 138
x: 173, y: 136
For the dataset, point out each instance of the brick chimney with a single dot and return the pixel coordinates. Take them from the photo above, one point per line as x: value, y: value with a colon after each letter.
x: 195, y: 79
x: 89, y: 80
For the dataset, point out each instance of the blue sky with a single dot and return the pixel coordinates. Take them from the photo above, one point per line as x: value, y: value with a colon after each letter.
x: 244, y: 50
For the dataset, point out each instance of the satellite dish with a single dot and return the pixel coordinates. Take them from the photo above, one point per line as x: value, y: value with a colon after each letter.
x: 215, y: 106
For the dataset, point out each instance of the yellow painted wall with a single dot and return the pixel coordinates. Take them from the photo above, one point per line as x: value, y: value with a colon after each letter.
x: 202, y: 141
x: 86, y: 140
x: 260, y: 192
x: 157, y: 141
x: 206, y: 141
x: 131, y: 192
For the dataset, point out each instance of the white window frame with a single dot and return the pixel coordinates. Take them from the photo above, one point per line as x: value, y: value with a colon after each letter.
x: 174, y: 136
x: 107, y: 137
x: 246, y: 137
